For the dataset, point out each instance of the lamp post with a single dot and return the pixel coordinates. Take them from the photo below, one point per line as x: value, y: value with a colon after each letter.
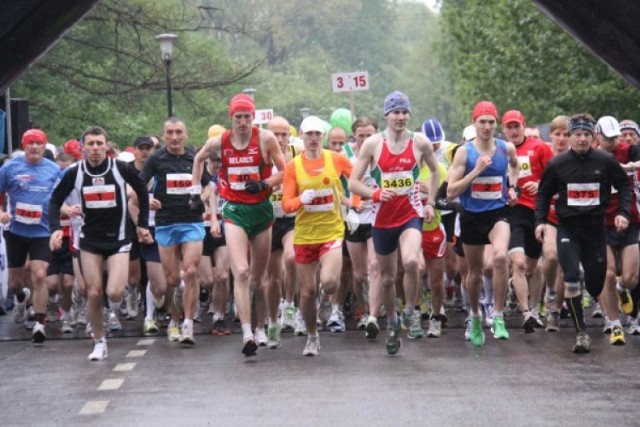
x: 250, y: 91
x: 166, y: 48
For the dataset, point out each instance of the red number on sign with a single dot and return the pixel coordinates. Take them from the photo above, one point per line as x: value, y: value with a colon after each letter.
x: 359, y: 81
x: 340, y: 82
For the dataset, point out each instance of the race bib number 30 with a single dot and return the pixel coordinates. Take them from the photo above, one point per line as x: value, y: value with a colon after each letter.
x: 178, y: 183
x: 99, y: 196
x: 487, y: 188
x: 239, y: 175
x: 28, y: 214
x: 400, y: 182
x: 587, y: 194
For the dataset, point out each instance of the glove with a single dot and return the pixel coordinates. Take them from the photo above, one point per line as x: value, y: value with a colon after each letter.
x: 196, y: 205
x: 352, y: 221
x: 254, y: 187
x: 307, y: 196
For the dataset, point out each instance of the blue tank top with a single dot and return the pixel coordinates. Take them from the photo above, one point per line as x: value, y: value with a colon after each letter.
x: 29, y: 188
x: 489, y: 190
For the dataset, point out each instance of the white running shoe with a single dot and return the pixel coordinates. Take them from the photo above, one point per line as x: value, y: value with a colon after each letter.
x: 113, y: 323
x: 99, y: 351
x: 20, y: 308
x: 632, y: 326
x: 312, y: 347
x: 336, y: 322
x: 300, y: 328
x: 261, y: 337
x: 38, y: 334
x: 132, y: 303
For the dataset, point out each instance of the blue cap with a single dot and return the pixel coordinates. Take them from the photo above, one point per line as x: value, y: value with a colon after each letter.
x: 396, y: 101
x: 433, y: 129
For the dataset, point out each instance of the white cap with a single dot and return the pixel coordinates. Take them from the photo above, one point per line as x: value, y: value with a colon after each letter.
x: 126, y: 156
x: 469, y: 133
x: 608, y: 126
x: 312, y: 124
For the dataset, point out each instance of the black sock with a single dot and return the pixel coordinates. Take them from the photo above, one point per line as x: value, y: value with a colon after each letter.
x: 20, y: 296
x: 39, y: 317
x: 577, y: 314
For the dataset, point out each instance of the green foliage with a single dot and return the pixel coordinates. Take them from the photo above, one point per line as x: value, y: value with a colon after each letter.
x: 507, y: 51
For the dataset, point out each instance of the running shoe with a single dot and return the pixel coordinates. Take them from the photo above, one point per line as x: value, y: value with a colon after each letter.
x: 372, y: 329
x: 38, y: 334
x: 312, y: 347
x: 467, y: 329
x: 607, y: 328
x: 625, y: 302
x: 435, y: 328
x: 335, y: 323
x: 173, y: 332
x: 362, y: 322
x: 186, y: 335
x: 538, y: 321
x: 476, y: 335
x: 288, y: 318
x: 394, y: 342
x: 553, y: 322
x: 66, y: 327
x: 20, y: 308
x: 273, y: 336
x: 488, y: 314
x: 551, y: 302
x: 617, y: 336
x: 586, y: 300
x: 52, y: 311
x: 583, y: 343
x: 300, y: 328
x: 528, y: 322
x: 597, y: 311
x: 99, y: 351
x: 220, y: 328
x: 324, y: 310
x: 413, y: 324
x: 261, y: 337
x: 249, y: 346
x: 500, y: 329
x: 150, y: 327
x: 113, y: 323
x: 31, y: 319
x: 132, y: 303
x: 632, y: 326
x: 512, y: 299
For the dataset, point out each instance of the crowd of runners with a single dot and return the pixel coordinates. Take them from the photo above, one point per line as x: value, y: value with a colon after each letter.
x: 283, y: 229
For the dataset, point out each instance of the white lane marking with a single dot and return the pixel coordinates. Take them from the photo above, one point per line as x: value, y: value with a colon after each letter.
x: 136, y: 353
x: 146, y: 341
x: 124, y: 367
x: 94, y: 407
x: 112, y: 384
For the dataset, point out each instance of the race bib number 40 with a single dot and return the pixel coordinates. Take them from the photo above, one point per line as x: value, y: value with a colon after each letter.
x: 487, y: 188
x: 99, y: 196
x: 28, y: 214
x: 178, y: 183
x: 400, y: 182
x: 587, y: 194
x: 239, y: 175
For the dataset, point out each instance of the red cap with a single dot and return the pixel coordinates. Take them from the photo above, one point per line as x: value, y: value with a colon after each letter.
x: 74, y: 148
x: 242, y: 102
x: 513, y: 116
x: 484, y: 108
x: 33, y: 135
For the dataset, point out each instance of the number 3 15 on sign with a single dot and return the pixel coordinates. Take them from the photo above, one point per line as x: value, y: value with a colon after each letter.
x: 347, y: 82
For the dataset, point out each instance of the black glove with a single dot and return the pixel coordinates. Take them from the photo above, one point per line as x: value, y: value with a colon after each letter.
x: 196, y: 205
x: 254, y: 187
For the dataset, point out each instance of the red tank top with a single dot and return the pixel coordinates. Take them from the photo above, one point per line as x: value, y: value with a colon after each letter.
x: 621, y: 153
x: 240, y: 166
x: 398, y: 173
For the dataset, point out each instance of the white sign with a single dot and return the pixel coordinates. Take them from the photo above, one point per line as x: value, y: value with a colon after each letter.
x: 263, y: 116
x: 347, y: 82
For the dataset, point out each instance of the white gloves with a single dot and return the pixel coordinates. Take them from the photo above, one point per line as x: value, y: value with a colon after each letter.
x: 353, y: 221
x: 307, y: 196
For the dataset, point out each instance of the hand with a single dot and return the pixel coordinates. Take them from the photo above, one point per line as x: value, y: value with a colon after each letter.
x: 531, y: 187
x: 55, y: 241
x: 482, y: 163
x: 5, y: 217
x: 307, y: 197
x: 359, y: 207
x: 75, y: 211
x: 621, y: 223
x: 541, y: 232
x: 144, y: 235
x: 254, y: 187
x: 383, y: 195
x: 428, y: 213
x: 196, y: 205
x: 513, y: 197
x: 214, y: 227
x: 352, y: 221
x: 154, y: 204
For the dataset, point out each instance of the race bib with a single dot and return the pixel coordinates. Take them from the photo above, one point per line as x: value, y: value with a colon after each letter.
x: 322, y: 202
x: 28, y: 214
x: 276, y: 201
x: 99, y: 196
x: 400, y: 182
x: 241, y: 174
x: 583, y: 194
x: 525, y: 166
x: 487, y: 188
x: 178, y: 183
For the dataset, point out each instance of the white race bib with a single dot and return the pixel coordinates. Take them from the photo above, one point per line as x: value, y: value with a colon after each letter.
x: 487, y: 188
x: 178, y: 183
x: 525, y: 166
x: 322, y: 201
x: 241, y: 174
x: 99, y: 196
x: 28, y: 214
x: 587, y: 194
x: 400, y: 182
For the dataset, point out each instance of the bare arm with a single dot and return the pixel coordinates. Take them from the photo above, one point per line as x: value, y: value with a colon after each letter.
x: 212, y: 146
x: 457, y: 181
x: 273, y: 151
x: 514, y: 168
x: 365, y: 158
x: 426, y: 151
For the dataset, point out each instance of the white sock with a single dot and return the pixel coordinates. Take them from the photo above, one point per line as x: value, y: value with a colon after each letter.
x: 217, y: 316
x: 113, y: 305
x: 188, y: 322
x: 487, y: 285
x: 246, y: 330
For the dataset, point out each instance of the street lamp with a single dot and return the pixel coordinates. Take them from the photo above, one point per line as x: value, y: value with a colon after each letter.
x: 250, y: 91
x: 166, y: 48
x: 304, y: 112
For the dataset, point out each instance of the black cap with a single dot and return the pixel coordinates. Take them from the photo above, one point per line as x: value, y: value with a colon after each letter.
x: 143, y: 140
